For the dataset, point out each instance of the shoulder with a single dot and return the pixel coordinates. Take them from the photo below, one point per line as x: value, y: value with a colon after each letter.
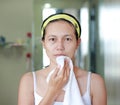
x: 97, y: 79
x: 25, y: 87
x: 27, y: 76
x: 98, y: 88
x: 26, y: 80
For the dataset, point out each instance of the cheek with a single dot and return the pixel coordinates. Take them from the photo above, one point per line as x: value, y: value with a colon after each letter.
x: 49, y: 49
x: 70, y: 50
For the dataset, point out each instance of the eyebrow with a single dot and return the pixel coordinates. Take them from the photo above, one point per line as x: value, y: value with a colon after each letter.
x: 51, y: 35
x: 66, y: 35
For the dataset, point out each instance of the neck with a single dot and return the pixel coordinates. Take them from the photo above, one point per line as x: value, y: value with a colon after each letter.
x: 51, y: 66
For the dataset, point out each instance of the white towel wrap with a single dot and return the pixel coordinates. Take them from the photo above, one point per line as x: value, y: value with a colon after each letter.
x: 72, y: 91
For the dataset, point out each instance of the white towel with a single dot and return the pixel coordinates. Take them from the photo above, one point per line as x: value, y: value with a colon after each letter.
x: 72, y: 92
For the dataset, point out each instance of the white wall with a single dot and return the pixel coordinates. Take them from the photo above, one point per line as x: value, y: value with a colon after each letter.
x: 15, y: 21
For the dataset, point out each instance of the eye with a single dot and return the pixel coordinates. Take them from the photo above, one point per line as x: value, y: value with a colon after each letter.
x: 52, y: 39
x: 68, y: 39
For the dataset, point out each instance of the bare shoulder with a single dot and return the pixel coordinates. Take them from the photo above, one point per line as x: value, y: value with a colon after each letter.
x: 97, y: 79
x: 26, y: 80
x: 98, y: 89
x: 25, y: 91
x: 26, y: 77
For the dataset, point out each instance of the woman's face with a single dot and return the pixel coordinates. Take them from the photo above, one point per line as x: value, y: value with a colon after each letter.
x: 60, y: 40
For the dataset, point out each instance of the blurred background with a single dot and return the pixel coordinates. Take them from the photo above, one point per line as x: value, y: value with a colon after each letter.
x: 21, y: 50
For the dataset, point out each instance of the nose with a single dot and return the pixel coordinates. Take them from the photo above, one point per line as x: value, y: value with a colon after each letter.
x: 60, y: 45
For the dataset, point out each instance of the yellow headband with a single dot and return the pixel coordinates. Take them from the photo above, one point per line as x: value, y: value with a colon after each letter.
x: 65, y: 16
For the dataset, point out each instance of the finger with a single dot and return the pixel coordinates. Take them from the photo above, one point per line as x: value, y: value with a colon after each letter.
x: 63, y: 69
x: 67, y: 69
x: 62, y: 72
x: 56, y: 71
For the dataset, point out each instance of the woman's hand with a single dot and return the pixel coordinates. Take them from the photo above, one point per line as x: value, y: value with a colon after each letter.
x: 56, y: 83
x: 59, y: 78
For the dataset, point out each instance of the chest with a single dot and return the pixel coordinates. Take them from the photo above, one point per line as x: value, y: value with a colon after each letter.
x: 83, y: 84
x: 42, y: 87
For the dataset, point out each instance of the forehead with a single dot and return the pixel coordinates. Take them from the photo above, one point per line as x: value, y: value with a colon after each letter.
x: 60, y: 23
x: 60, y: 27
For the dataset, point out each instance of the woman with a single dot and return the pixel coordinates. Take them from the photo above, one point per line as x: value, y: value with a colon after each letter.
x: 60, y: 37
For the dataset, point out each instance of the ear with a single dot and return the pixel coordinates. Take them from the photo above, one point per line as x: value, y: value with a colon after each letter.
x: 43, y: 43
x: 78, y: 42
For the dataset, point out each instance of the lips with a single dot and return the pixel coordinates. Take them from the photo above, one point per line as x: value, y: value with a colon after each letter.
x: 59, y: 55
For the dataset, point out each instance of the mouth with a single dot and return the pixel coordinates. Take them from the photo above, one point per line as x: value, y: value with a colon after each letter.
x: 56, y: 55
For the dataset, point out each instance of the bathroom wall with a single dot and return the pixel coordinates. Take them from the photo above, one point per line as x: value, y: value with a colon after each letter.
x: 109, y: 35
x: 16, y: 18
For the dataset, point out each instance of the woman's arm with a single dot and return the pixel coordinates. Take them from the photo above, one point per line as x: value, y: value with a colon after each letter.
x: 25, y: 92
x: 98, y: 88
